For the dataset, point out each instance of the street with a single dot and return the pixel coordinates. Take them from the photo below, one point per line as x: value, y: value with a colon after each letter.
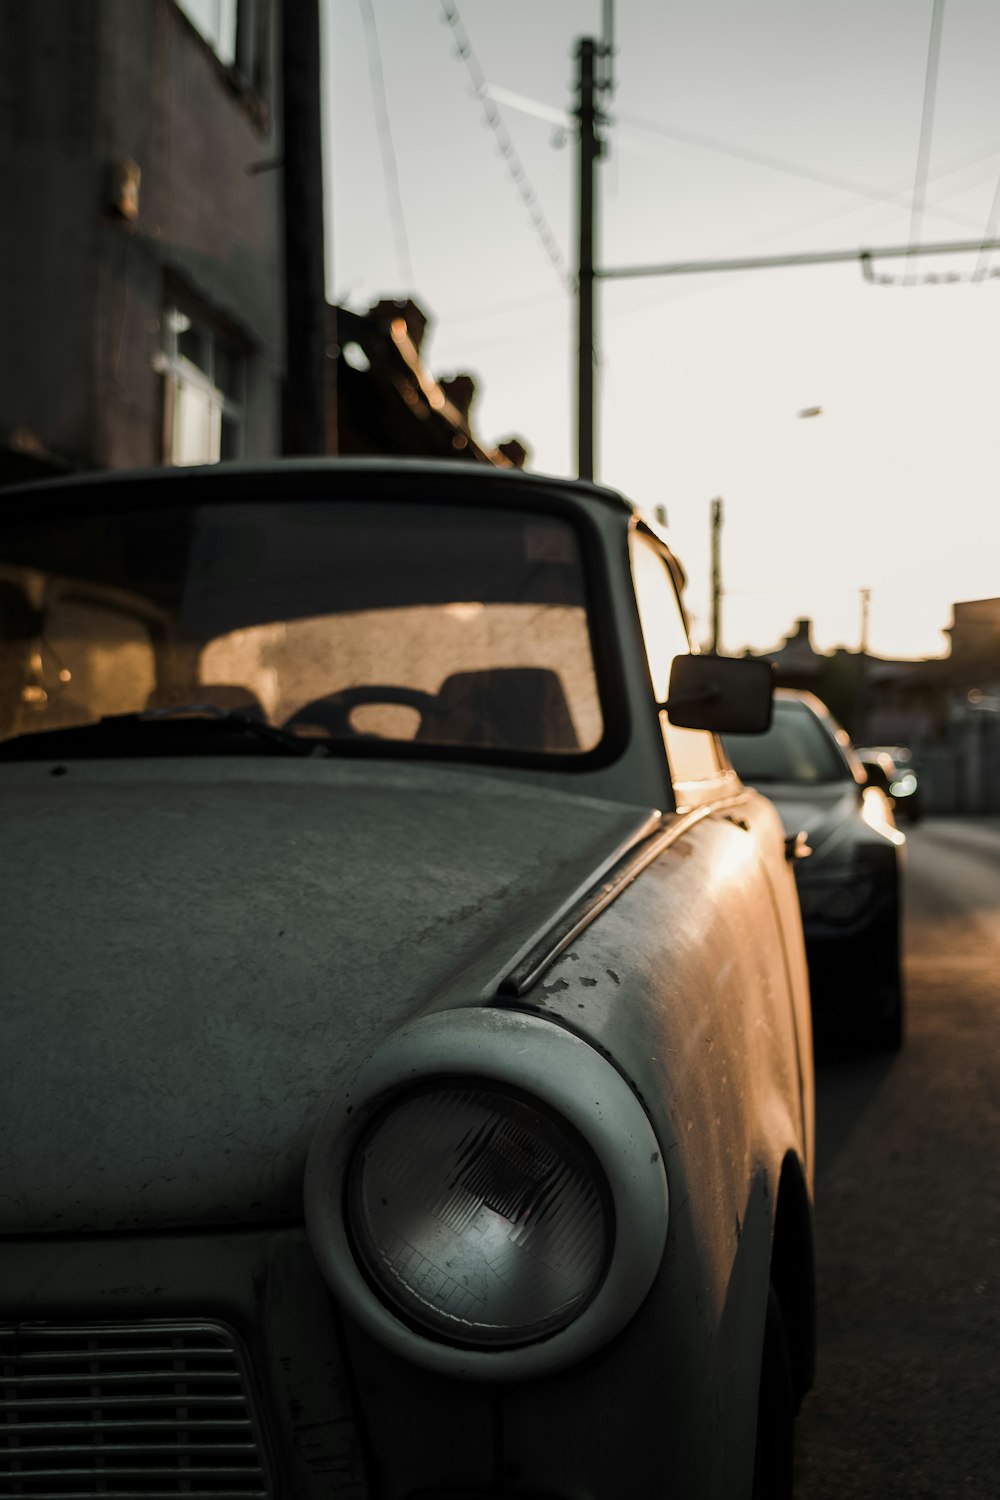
x: 907, y: 1395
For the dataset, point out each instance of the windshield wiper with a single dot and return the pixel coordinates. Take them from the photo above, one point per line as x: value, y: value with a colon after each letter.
x: 188, y: 728
x: 233, y: 720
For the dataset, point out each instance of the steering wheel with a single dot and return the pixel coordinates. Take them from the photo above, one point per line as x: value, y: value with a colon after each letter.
x: 333, y: 713
x: 465, y: 726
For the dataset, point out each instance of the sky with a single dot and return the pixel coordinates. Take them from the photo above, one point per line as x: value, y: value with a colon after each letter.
x: 734, y: 129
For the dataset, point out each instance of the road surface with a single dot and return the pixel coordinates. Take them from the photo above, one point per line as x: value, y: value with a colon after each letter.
x: 907, y: 1397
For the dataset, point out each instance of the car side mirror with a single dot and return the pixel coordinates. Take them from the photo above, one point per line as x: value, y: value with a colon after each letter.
x: 724, y: 694
x: 877, y: 775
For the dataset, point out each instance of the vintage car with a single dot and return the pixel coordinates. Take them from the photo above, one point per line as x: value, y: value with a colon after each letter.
x: 838, y: 810
x: 407, y: 1080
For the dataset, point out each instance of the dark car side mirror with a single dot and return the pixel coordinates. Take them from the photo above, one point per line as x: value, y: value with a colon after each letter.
x: 877, y: 775
x: 724, y: 694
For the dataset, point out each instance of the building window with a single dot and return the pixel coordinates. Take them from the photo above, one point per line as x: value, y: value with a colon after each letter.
x: 205, y: 392
x: 238, y: 33
x: 215, y: 20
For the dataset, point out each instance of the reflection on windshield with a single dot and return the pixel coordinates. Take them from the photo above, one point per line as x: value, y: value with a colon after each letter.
x: 796, y: 749
x: 435, y: 625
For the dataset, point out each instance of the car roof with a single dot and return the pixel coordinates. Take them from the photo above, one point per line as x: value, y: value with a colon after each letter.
x: 806, y: 699
x: 495, y: 483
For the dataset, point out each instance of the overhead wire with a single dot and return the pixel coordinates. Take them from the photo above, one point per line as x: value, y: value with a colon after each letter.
x: 989, y: 233
x: 508, y: 151
x: 898, y: 194
x: 504, y: 309
x: 667, y: 293
x: 926, y: 124
x: 774, y: 163
x: 956, y: 165
x: 390, y: 172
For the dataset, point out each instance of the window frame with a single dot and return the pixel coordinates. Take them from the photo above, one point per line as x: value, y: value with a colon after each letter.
x: 688, y: 792
x: 204, y: 488
x: 248, y: 71
x: 178, y: 369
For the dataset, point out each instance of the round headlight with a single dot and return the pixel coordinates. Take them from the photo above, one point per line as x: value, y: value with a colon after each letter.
x: 486, y: 1195
x: 483, y: 1219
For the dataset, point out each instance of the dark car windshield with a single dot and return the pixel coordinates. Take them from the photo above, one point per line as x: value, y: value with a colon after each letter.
x: 427, y: 624
x: 797, y: 749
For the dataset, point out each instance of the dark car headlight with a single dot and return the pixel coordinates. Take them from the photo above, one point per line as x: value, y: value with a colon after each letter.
x: 483, y: 1219
x: 486, y: 1195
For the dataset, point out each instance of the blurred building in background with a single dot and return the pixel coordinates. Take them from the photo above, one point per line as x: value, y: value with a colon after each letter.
x: 945, y: 709
x: 382, y: 398
x: 142, y: 254
x: 141, y: 244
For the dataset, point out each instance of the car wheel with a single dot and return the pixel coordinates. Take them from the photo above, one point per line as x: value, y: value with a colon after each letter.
x: 773, y: 1459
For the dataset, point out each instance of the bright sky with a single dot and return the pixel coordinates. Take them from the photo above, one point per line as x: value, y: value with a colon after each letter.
x: 894, y: 487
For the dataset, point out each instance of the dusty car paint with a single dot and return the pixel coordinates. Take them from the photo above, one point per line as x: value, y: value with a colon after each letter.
x: 205, y: 953
x: 264, y: 891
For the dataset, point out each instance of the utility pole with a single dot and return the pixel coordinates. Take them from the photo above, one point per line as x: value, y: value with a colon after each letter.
x: 594, y: 77
x: 590, y: 150
x: 716, y: 575
x: 305, y: 277
x: 866, y: 599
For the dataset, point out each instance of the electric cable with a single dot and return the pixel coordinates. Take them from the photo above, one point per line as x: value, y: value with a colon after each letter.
x: 514, y: 164
x: 503, y: 309
x: 926, y: 124
x: 746, y: 153
x: 989, y: 233
x: 775, y: 163
x: 383, y: 124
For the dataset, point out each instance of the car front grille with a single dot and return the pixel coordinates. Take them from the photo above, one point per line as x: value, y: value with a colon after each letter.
x: 127, y: 1409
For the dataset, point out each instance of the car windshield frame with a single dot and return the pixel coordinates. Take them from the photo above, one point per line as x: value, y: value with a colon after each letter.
x: 168, y: 491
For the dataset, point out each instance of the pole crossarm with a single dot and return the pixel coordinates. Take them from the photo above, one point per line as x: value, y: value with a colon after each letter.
x: 801, y: 258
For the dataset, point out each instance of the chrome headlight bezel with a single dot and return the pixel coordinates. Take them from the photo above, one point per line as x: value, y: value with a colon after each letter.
x: 502, y: 1118
x: 539, y: 1061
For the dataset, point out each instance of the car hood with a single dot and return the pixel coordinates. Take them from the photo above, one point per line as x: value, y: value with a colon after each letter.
x: 194, y: 950
x: 827, y: 813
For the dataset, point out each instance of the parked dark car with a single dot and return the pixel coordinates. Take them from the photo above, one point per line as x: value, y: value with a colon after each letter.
x: 407, y: 1076
x: 848, y: 865
x: 901, y: 779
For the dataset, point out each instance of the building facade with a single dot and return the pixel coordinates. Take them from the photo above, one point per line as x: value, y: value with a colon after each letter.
x: 945, y: 709
x: 141, y: 291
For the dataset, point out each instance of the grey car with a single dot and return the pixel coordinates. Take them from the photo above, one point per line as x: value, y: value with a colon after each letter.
x: 407, y: 1077
x: 848, y: 858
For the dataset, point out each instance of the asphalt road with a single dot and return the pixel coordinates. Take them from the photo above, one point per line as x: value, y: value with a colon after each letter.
x: 907, y: 1397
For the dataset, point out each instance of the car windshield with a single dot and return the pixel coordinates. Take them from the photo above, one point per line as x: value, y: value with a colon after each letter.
x: 353, y: 622
x: 796, y: 749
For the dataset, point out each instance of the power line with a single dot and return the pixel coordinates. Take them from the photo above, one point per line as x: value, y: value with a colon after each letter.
x: 989, y: 233
x: 514, y: 164
x: 536, y: 335
x: 759, y: 158
x: 776, y: 163
x: 926, y: 124
x: 800, y: 258
x: 954, y: 166
x: 948, y: 278
x: 563, y: 120
x: 503, y: 309
x: 388, y: 150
